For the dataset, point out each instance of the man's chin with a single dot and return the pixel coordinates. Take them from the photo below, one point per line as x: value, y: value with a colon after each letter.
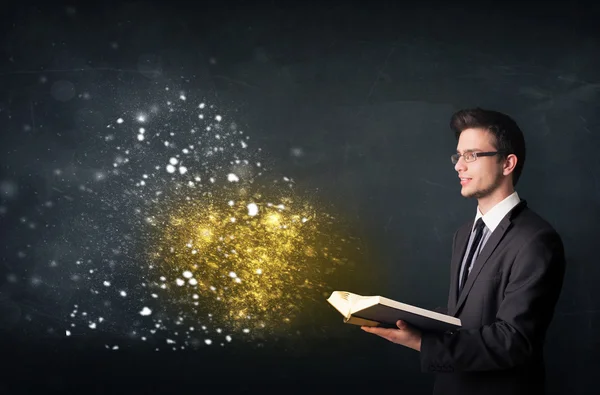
x: 466, y: 193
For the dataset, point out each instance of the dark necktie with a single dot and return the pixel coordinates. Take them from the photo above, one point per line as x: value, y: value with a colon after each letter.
x: 478, y: 233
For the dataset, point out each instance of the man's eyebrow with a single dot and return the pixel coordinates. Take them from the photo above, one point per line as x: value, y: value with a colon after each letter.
x: 469, y: 150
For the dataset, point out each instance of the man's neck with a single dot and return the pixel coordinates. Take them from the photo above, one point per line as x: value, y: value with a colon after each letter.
x: 485, y: 204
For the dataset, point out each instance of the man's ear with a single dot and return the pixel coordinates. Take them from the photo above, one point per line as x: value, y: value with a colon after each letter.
x: 509, y: 164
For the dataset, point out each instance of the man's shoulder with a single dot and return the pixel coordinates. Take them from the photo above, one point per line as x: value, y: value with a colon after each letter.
x: 529, y: 221
x: 528, y: 229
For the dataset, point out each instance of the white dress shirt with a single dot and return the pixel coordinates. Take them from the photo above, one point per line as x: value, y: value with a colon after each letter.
x: 491, y: 220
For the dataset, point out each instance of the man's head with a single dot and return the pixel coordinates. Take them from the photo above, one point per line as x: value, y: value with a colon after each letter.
x: 490, y: 152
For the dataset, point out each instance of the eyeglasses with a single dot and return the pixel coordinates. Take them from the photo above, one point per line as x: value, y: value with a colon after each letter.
x: 472, y: 156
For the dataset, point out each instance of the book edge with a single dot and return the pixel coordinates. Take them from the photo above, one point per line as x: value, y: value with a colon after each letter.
x: 420, y: 311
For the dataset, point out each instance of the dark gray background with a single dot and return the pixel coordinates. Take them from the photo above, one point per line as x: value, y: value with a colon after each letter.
x: 366, y: 92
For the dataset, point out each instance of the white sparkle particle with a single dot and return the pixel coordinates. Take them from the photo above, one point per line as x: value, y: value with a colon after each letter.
x: 208, y: 342
x: 212, y: 179
x: 246, y: 330
x: 141, y: 118
x: 187, y: 274
x: 244, y: 145
x: 232, y: 177
x: 92, y: 325
x: 228, y: 338
x: 193, y: 281
x: 180, y: 282
x: 252, y: 209
x: 115, y: 348
x: 218, y: 118
x: 120, y: 120
x: 163, y: 278
x: 202, y: 105
x: 182, y: 97
x: 259, y: 271
x: 155, y: 295
x: 123, y: 293
x: 185, y: 151
x: 166, y: 143
x: 232, y: 275
x: 195, y: 296
x: 173, y: 161
x: 182, y: 170
x: 106, y: 284
x: 231, y: 203
x: 232, y: 219
x: 140, y: 137
x: 145, y: 311
x: 68, y: 333
x: 171, y: 168
x: 304, y: 220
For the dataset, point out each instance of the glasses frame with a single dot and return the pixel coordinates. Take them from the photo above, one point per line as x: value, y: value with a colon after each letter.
x: 456, y: 157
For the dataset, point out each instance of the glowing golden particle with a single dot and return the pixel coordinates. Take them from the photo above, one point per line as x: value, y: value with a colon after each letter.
x: 278, y: 257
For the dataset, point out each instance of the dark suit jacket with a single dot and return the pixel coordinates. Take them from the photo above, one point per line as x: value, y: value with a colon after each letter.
x: 505, y: 308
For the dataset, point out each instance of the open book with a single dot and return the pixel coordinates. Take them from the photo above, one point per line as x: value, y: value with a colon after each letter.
x: 380, y: 311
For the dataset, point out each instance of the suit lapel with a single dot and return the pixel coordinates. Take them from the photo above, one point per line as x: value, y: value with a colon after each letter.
x: 462, y: 239
x: 485, y: 254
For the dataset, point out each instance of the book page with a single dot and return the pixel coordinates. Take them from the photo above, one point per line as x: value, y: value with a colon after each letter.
x: 341, y: 301
x: 359, y: 303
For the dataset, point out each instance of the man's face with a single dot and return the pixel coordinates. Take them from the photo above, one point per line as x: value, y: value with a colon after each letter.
x: 483, y: 176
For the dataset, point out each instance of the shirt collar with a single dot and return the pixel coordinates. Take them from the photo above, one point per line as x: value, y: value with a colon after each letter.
x: 493, y: 217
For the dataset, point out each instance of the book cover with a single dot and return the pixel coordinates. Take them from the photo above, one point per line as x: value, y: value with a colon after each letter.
x: 384, y: 312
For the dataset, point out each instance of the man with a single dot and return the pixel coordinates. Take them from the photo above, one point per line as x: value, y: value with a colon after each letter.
x: 506, y: 273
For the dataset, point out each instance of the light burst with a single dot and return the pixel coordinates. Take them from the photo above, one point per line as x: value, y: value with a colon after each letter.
x: 254, y: 263
x: 191, y: 239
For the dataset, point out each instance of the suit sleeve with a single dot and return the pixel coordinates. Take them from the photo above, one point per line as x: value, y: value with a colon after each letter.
x: 445, y: 309
x: 524, y: 315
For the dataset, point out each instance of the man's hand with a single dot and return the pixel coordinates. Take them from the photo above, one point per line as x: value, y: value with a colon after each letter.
x: 405, y: 335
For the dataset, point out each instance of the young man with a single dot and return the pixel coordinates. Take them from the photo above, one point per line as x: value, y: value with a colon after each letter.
x: 507, y: 271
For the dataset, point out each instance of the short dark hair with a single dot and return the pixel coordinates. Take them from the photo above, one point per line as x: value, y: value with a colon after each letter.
x: 509, y: 137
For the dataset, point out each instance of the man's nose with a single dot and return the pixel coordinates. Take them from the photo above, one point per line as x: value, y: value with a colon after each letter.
x: 460, y: 165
